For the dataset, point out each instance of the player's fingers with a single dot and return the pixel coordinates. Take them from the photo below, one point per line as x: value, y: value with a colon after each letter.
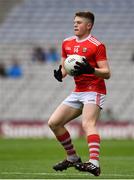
x: 78, y: 63
x: 60, y: 66
x: 77, y: 67
x: 77, y: 73
x: 84, y: 60
x: 55, y: 72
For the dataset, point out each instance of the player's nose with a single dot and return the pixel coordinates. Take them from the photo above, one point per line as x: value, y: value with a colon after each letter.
x: 75, y: 24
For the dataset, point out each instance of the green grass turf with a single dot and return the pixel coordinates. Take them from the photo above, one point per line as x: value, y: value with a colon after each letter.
x: 34, y: 158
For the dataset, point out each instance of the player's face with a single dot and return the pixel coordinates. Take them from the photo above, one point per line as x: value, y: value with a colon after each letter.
x: 82, y: 27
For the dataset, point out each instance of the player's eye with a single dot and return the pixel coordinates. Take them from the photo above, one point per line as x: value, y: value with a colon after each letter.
x: 77, y: 22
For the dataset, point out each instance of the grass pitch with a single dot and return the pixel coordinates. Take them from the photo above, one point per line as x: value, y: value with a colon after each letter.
x: 34, y: 158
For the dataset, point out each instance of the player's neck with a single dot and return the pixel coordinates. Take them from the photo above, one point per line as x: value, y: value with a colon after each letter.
x: 84, y: 37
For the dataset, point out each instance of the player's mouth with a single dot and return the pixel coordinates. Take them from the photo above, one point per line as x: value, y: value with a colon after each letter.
x: 76, y: 30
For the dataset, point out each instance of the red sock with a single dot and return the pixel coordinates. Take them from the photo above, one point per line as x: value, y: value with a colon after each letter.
x: 94, y: 146
x: 66, y: 142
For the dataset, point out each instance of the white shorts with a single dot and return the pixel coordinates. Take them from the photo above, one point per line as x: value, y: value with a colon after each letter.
x: 78, y: 99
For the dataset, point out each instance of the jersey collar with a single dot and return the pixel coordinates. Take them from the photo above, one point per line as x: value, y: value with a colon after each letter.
x: 77, y: 40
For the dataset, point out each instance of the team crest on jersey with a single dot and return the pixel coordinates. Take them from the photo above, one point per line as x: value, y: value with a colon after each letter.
x: 84, y: 50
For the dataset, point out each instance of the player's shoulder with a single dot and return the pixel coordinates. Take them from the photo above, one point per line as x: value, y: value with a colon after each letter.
x: 69, y: 38
x: 95, y: 41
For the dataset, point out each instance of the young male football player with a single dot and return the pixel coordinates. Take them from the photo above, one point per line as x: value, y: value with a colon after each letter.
x: 88, y: 96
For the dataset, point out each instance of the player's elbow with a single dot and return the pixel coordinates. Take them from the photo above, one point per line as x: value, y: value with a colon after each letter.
x: 108, y: 75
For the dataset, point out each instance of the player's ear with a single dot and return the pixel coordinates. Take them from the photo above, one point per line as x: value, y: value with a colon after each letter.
x: 89, y: 26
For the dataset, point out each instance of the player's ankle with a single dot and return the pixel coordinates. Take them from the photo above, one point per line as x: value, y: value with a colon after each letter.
x: 73, y: 158
x: 94, y: 162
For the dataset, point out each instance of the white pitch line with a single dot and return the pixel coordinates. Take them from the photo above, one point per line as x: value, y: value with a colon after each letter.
x: 55, y: 174
x: 64, y: 174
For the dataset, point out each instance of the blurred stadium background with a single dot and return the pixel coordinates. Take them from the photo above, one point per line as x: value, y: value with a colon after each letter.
x: 27, y: 102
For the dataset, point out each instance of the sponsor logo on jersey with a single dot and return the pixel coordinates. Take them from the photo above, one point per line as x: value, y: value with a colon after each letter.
x: 68, y: 48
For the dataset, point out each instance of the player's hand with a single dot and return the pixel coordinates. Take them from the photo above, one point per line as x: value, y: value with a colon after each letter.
x: 84, y: 68
x: 58, y: 74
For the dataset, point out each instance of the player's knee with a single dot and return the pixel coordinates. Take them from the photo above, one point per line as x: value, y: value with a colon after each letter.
x: 88, y: 124
x: 52, y: 124
x: 84, y: 125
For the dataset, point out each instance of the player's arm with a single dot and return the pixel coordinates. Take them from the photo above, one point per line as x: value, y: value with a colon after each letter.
x: 64, y: 73
x: 103, y: 70
x: 60, y: 73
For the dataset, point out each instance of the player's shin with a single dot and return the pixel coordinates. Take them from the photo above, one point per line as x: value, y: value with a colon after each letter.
x: 66, y: 142
x: 94, y: 148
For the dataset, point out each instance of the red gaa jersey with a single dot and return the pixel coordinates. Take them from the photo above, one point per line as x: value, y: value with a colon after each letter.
x: 93, y: 51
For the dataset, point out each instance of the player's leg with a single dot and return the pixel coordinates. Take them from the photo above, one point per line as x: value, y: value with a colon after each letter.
x: 59, y: 118
x: 93, y: 103
x: 90, y: 116
x: 91, y: 113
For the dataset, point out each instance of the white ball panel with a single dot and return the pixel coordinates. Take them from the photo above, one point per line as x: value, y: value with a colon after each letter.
x: 70, y: 62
